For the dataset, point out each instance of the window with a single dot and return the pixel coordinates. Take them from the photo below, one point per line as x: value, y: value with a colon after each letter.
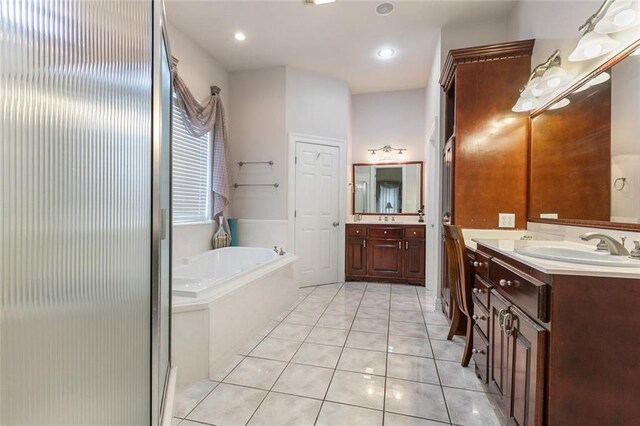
x: 191, y: 173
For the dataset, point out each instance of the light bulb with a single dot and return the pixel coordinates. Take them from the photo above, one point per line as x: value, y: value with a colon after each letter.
x: 400, y: 156
x: 373, y: 156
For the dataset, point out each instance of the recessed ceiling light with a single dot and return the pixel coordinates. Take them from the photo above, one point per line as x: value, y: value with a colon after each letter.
x: 386, y: 52
x: 318, y: 2
x: 384, y: 9
x: 240, y: 36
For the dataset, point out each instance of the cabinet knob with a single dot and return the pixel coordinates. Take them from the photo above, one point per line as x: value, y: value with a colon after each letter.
x: 477, y: 351
x: 357, y: 232
x: 414, y: 232
x: 478, y: 317
x: 385, y: 232
x: 504, y: 283
x: 479, y: 264
x: 478, y: 290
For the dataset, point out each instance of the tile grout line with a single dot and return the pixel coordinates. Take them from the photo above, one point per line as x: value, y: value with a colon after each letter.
x: 243, y: 358
x: 386, y: 359
x: 446, y: 405
x: 324, y: 399
x: 294, y: 354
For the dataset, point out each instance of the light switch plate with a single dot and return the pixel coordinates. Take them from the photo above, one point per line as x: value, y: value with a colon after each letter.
x: 506, y: 220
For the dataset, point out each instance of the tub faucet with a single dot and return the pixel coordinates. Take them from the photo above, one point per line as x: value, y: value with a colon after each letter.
x: 607, y: 243
x: 281, y: 252
x: 275, y: 248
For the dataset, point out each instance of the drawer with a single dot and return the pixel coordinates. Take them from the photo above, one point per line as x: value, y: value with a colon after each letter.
x: 357, y: 231
x: 481, y: 354
x: 481, y: 264
x: 481, y: 317
x: 382, y: 232
x: 481, y: 290
x: 524, y: 291
x: 414, y: 232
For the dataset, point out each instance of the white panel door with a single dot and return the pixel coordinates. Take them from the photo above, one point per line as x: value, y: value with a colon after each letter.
x: 317, y: 213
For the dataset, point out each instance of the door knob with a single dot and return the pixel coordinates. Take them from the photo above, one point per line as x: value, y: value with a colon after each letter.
x: 337, y: 224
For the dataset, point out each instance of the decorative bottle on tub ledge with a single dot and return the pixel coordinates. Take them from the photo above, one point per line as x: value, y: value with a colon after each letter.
x: 221, y: 238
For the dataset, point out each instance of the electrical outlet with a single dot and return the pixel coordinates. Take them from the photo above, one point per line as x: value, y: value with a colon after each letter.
x: 506, y: 220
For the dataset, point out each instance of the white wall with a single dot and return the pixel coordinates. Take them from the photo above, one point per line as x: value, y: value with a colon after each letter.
x: 257, y: 132
x: 625, y: 146
x: 388, y: 118
x: 199, y: 71
x: 317, y: 105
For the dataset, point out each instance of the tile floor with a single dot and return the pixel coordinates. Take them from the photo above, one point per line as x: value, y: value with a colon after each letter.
x: 345, y: 354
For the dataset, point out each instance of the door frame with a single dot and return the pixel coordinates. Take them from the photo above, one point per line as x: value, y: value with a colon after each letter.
x: 293, y: 140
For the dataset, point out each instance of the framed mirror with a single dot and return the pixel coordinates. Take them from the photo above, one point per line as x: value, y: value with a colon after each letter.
x: 585, y: 151
x: 387, y: 188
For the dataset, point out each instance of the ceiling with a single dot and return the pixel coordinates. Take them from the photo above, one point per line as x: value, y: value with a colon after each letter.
x: 339, y: 40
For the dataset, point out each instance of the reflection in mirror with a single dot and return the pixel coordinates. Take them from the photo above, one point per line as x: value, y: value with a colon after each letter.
x: 585, y: 156
x: 387, y: 188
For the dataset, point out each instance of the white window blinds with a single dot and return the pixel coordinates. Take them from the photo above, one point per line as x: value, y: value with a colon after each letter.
x: 191, y: 173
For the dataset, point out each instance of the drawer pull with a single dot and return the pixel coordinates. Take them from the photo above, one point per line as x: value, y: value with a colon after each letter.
x: 478, y: 317
x: 477, y: 351
x: 479, y: 264
x: 364, y: 243
x: 479, y: 291
x: 504, y: 283
x: 406, y: 245
x: 400, y: 245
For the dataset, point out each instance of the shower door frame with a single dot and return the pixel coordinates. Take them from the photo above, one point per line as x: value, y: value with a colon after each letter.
x: 160, y: 41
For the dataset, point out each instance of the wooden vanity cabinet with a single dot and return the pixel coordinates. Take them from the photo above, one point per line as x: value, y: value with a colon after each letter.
x: 517, y: 362
x: 385, y: 253
x: 560, y: 349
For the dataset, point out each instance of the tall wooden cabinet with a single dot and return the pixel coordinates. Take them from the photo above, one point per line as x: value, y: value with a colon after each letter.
x: 485, y: 152
x: 385, y: 253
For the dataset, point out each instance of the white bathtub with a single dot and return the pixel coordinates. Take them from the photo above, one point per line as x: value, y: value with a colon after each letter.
x: 207, y: 272
x: 221, y: 300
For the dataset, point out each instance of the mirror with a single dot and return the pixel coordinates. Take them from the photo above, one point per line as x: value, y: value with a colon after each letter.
x: 387, y: 188
x: 585, y: 156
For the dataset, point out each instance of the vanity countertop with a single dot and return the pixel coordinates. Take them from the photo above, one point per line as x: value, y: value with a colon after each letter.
x: 378, y: 222
x: 507, y: 248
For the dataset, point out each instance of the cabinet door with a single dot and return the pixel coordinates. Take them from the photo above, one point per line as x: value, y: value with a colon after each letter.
x: 414, y: 258
x: 356, y: 257
x: 498, y: 345
x: 526, y: 377
x: 385, y: 258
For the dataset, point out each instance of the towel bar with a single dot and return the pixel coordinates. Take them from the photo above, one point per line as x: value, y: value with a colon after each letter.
x: 275, y: 185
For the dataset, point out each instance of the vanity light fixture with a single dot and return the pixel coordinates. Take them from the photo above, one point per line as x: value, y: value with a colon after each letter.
x: 593, y: 44
x: 560, y: 104
x: 388, y: 153
x: 620, y: 15
x: 601, y: 78
x: 546, y: 78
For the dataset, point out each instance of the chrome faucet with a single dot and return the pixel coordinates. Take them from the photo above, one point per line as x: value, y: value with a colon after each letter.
x: 607, y: 243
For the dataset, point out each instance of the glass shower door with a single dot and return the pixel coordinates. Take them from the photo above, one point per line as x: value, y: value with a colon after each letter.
x: 75, y: 212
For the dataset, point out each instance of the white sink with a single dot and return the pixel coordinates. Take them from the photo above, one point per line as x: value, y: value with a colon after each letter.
x: 577, y: 255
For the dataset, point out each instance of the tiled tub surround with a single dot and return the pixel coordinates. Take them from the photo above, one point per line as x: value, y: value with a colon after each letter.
x: 345, y: 354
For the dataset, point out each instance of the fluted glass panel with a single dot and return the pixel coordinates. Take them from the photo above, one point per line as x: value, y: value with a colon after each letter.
x: 75, y: 179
